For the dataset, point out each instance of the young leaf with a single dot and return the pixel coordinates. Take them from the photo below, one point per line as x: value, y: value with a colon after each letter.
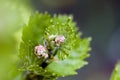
x: 57, y: 38
x: 116, y: 72
x: 33, y: 34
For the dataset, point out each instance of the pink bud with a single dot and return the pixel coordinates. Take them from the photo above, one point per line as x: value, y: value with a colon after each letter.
x: 41, y: 51
x: 60, y: 39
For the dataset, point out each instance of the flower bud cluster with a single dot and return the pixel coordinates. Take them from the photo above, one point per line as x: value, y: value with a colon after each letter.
x: 57, y: 39
x: 43, y: 51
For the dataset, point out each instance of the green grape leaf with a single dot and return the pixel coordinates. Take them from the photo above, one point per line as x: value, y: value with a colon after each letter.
x: 63, y: 25
x: 33, y: 34
x: 74, y: 61
x: 75, y: 47
x: 116, y: 72
x: 66, y: 58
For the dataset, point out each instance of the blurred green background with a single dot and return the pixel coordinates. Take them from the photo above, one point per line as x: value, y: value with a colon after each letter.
x: 99, y: 19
